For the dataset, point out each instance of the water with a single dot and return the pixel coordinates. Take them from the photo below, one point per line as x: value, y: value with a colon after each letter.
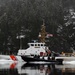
x: 36, y: 69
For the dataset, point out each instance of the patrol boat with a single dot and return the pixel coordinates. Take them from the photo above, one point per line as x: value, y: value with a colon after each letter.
x: 38, y: 51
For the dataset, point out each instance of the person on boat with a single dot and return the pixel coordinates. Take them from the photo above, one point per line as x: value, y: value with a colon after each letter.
x: 53, y: 55
x: 49, y: 53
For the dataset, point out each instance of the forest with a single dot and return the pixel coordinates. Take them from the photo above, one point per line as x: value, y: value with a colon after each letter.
x: 26, y: 17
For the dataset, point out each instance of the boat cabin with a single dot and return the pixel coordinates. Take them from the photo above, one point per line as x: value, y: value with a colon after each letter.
x: 34, y: 49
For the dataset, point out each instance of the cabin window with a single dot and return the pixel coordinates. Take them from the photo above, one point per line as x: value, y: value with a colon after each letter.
x: 35, y: 44
x: 38, y: 44
x: 32, y: 44
x: 41, y: 44
x: 44, y: 45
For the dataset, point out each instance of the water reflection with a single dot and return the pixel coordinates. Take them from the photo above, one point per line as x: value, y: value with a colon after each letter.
x: 68, y: 68
x: 22, y: 68
x: 42, y: 69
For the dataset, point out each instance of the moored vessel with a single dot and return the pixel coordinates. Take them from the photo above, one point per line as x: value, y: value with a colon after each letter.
x: 38, y: 51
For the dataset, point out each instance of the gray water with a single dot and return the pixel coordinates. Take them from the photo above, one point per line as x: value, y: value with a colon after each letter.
x: 35, y: 69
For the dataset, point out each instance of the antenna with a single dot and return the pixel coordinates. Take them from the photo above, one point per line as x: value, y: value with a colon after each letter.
x: 43, y: 32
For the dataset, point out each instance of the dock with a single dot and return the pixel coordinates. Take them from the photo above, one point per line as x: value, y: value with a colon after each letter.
x: 65, y: 58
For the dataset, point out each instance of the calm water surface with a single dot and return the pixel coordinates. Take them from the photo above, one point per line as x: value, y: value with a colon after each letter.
x: 30, y: 69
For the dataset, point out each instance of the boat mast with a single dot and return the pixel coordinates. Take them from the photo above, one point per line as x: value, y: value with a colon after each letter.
x: 42, y: 33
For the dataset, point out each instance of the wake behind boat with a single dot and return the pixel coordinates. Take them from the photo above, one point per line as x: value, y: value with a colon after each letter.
x: 10, y: 59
